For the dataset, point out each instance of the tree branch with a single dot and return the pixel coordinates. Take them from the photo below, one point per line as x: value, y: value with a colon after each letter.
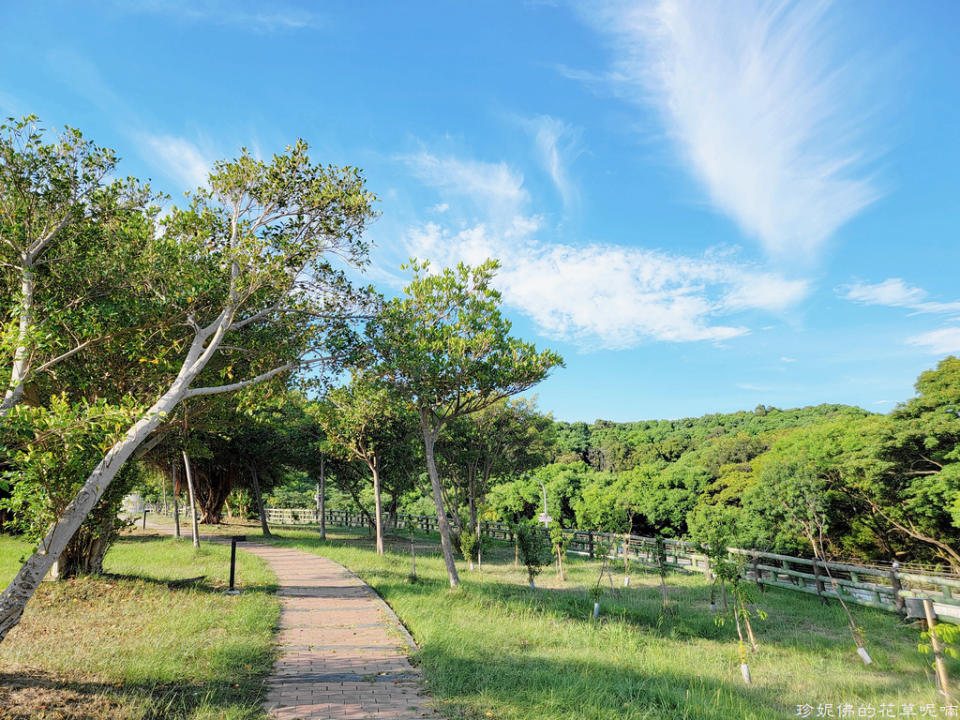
x: 262, y: 377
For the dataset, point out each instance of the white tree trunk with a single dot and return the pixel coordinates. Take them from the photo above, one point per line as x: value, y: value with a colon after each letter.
x: 18, y: 593
x: 21, y: 588
x: 21, y: 355
x: 193, y: 500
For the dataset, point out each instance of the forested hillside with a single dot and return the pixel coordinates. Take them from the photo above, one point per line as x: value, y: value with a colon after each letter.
x: 828, y: 478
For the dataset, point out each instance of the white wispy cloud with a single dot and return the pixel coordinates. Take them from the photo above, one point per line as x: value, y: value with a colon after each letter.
x: 894, y: 292
x: 599, y: 295
x: 754, y: 388
x: 178, y: 158
x: 763, y: 114
x: 938, y: 342
x: 255, y: 17
x: 557, y: 145
x: 493, y: 188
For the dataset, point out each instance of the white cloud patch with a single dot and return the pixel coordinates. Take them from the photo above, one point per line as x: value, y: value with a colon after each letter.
x: 938, y: 342
x: 557, y: 144
x: 599, y: 295
x: 178, y: 158
x: 894, y: 292
x: 763, y: 116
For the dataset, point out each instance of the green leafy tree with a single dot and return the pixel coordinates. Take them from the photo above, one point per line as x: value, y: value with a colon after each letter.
x: 366, y: 422
x: 508, y: 438
x: 446, y: 350
x: 66, y: 250
x: 910, y: 468
x: 257, y: 275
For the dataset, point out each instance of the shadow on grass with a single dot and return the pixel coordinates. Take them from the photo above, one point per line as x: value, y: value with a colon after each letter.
x: 36, y: 695
x: 200, y: 584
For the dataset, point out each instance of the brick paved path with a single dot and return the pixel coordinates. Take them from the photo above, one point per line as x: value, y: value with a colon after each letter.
x: 343, y: 651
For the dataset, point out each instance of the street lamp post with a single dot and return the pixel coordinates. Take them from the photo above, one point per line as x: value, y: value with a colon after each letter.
x: 544, y: 516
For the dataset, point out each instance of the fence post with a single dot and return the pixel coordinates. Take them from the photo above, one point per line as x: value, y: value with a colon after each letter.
x: 899, y: 604
x: 818, y: 581
x: 590, y: 535
x: 757, y: 577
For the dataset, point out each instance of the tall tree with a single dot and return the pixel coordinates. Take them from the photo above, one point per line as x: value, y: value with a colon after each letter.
x: 262, y: 237
x: 364, y: 421
x: 445, y: 348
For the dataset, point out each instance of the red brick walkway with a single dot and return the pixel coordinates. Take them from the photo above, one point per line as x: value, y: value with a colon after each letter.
x: 343, y: 653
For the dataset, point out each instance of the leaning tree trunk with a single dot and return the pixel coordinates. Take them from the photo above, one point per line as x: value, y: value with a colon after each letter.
x: 193, y: 500
x: 429, y: 438
x: 18, y: 593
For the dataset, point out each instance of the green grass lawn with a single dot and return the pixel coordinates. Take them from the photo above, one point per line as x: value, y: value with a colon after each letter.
x: 496, y: 649
x: 128, y: 645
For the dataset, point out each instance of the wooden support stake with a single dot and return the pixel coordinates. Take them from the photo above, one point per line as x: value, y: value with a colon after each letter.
x: 941, y: 668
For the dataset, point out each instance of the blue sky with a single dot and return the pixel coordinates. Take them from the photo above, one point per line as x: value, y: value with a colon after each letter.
x: 703, y: 206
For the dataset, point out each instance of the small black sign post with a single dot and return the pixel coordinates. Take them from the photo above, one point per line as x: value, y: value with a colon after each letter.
x: 233, y: 561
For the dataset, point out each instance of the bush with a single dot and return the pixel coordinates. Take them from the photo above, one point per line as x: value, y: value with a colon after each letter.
x: 469, y: 545
x: 534, y: 549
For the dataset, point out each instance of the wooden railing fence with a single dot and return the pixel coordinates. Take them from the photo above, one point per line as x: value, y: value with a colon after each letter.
x: 887, y: 588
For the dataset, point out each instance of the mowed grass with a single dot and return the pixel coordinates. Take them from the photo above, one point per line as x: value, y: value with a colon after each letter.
x: 496, y: 649
x: 129, y: 645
